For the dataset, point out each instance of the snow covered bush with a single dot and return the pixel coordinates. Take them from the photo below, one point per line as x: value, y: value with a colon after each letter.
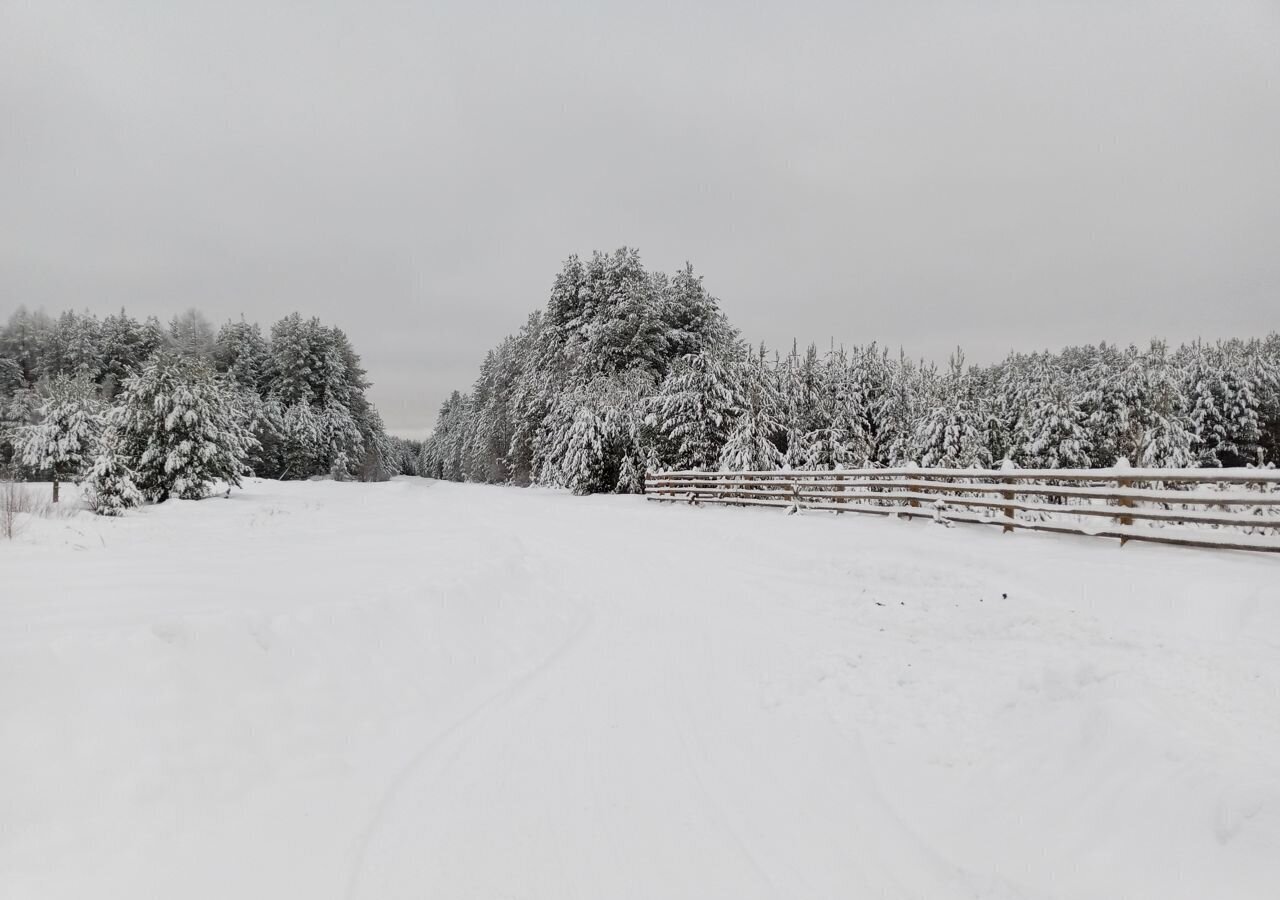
x: 180, y: 428
x: 109, y: 488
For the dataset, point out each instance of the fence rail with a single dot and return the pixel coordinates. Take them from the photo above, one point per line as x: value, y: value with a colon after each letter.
x: 1236, y: 509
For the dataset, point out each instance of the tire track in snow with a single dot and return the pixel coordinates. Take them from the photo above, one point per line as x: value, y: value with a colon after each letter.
x: 688, y: 734
x: 521, y: 684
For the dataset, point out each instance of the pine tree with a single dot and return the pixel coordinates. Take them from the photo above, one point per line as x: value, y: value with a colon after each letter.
x: 1054, y: 425
x: 109, y: 488
x: 585, y: 461
x: 695, y: 410
x: 1105, y: 402
x: 297, y: 351
x: 180, y: 428
x: 242, y: 352
x: 754, y: 439
x: 1166, y: 438
x: 692, y: 317
x: 951, y: 435
x: 83, y: 346
x: 837, y: 435
x: 70, y: 420
x: 1265, y: 358
x: 22, y: 340
x: 630, y: 476
x: 191, y: 333
x: 126, y: 345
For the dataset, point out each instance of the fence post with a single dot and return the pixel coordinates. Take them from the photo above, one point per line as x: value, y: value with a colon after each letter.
x: 1121, y: 484
x: 918, y: 480
x: 1008, y: 510
x: 1007, y: 465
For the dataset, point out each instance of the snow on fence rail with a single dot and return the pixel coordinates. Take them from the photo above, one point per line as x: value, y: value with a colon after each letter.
x: 1236, y: 509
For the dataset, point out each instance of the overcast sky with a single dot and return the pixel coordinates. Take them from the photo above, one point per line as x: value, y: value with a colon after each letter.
x: 998, y: 175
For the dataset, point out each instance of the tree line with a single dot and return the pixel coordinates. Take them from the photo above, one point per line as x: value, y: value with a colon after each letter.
x: 145, y: 411
x: 626, y: 370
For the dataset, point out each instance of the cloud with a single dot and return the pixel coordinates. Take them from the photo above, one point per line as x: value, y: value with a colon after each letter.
x: 996, y: 175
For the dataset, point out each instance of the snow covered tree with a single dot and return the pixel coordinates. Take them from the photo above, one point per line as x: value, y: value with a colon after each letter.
x: 83, y: 349
x: 589, y: 433
x: 750, y: 446
x: 691, y: 316
x: 340, y: 443
x: 315, y: 378
x: 109, y: 488
x: 1055, y: 436
x: 180, y: 428
x: 11, y: 380
x: 694, y: 410
x: 1159, y: 412
x: 191, y: 333
x: 951, y: 434
x: 627, y: 330
x: 442, y: 452
x: 837, y: 435
x: 1106, y: 401
x: 630, y: 475
x: 753, y: 440
x: 1265, y: 357
x: 23, y: 339
x: 18, y: 410
x: 242, y: 352
x: 585, y: 460
x: 536, y: 414
x: 1223, y: 407
x: 799, y: 386
x: 70, y: 421
x: 126, y: 345
x: 383, y: 458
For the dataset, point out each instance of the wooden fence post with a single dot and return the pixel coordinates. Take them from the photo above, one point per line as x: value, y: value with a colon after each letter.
x: 1008, y: 510
x: 1122, y: 484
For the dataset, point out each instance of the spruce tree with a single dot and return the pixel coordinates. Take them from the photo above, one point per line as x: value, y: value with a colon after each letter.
x: 181, y: 429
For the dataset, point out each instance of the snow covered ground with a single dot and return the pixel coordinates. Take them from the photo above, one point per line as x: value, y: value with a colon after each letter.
x: 422, y: 689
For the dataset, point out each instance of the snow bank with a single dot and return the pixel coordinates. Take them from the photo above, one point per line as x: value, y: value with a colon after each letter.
x: 427, y: 689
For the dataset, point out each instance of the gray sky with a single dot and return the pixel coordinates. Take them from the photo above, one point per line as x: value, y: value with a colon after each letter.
x: 1002, y: 174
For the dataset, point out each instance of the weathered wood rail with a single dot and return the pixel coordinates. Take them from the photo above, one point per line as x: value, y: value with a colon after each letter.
x: 1235, y: 509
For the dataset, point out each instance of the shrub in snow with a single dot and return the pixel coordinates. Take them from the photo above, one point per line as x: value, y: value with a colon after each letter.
x: 70, y: 419
x: 109, y: 488
x: 15, y: 501
x: 181, y: 429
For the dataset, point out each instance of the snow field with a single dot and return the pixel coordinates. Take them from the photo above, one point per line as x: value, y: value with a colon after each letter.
x: 425, y: 688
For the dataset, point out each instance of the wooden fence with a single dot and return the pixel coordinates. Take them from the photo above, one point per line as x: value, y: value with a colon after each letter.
x: 1237, y: 509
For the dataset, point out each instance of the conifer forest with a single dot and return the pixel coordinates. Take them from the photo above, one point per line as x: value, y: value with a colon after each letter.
x: 626, y: 370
